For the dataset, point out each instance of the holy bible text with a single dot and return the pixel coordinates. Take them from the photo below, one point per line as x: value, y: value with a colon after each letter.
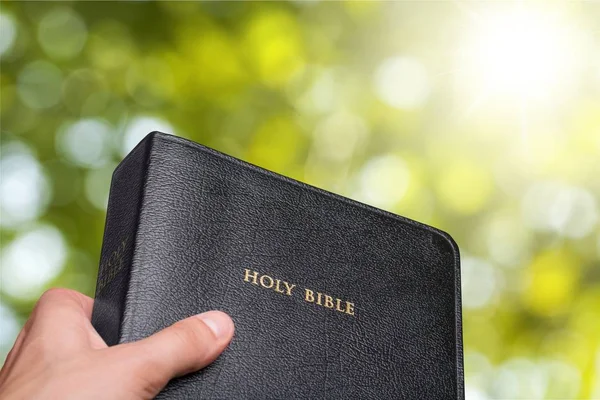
x: 309, y: 295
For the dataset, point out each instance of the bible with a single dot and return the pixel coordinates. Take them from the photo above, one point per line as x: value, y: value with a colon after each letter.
x: 331, y: 298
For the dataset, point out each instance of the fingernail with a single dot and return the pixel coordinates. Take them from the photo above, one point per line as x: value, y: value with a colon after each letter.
x: 218, y: 322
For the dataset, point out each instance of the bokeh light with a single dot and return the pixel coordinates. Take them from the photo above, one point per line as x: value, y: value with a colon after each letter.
x: 24, y: 188
x: 62, y: 33
x: 39, y: 85
x: 88, y: 142
x: 402, y: 82
x: 8, y: 33
x: 31, y: 261
x: 479, y: 282
x: 97, y: 186
x: 568, y: 211
x: 138, y: 127
x: 383, y: 181
x: 337, y: 136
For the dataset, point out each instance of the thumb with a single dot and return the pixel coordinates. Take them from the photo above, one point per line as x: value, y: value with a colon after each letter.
x: 184, y: 347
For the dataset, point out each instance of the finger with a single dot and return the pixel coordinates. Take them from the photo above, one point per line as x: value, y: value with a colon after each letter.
x: 61, y: 320
x: 12, y: 355
x: 18, y: 344
x: 57, y: 300
x: 56, y: 310
x: 186, y: 346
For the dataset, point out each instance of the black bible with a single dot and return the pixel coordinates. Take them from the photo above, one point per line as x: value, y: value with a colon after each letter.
x: 331, y: 298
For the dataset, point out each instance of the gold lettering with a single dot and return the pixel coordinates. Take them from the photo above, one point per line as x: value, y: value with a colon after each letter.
x: 338, y: 303
x: 254, y: 276
x: 283, y: 287
x: 309, y: 296
x: 349, y: 308
x: 263, y: 284
x: 328, y: 301
x: 113, y: 265
x: 277, y: 288
x: 288, y: 288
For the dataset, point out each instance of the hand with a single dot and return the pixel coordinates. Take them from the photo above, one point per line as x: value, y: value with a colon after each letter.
x: 59, y: 355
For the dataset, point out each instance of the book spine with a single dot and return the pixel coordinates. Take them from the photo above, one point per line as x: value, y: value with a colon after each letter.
x: 119, y: 243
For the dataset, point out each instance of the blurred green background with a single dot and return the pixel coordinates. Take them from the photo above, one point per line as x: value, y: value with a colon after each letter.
x: 480, y: 118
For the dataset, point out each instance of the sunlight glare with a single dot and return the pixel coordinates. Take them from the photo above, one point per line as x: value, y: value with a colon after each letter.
x: 521, y: 53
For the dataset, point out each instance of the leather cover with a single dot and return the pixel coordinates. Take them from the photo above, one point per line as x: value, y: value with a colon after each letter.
x: 190, y: 229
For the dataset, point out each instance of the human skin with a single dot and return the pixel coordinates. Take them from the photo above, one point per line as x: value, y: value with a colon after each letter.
x: 59, y: 355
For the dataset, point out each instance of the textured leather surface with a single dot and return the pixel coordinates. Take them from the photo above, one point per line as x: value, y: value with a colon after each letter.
x: 197, y: 219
